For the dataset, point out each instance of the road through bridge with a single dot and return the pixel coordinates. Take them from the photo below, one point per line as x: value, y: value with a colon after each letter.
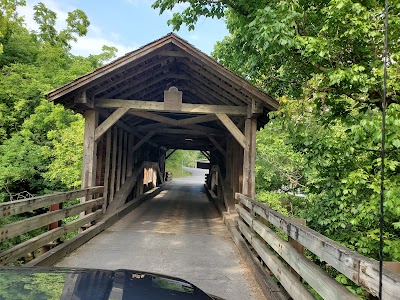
x: 178, y: 233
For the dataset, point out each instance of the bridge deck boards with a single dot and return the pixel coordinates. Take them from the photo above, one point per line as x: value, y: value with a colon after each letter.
x: 177, y: 233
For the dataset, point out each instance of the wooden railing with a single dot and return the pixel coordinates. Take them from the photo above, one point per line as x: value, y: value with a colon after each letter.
x: 253, y: 224
x: 93, y: 208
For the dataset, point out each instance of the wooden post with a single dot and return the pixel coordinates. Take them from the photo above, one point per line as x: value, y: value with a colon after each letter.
x: 89, y: 161
x: 124, y: 157
x: 249, y: 161
x: 113, y: 163
x: 296, y: 245
x: 129, y: 163
x: 119, y: 163
x: 107, y: 168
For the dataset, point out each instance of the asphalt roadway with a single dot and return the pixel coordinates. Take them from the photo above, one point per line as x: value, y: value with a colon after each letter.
x: 177, y: 233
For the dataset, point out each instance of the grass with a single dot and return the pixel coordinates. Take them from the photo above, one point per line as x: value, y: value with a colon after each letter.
x: 177, y: 172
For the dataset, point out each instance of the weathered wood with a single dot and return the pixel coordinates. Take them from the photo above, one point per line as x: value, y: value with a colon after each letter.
x: 110, y: 121
x: 107, y: 169
x: 172, y: 152
x: 30, y: 204
x: 236, y: 133
x: 361, y: 270
x: 326, y: 286
x: 53, y: 256
x: 34, y: 243
x: 138, y: 71
x: 14, y: 229
x: 124, y: 158
x: 293, y: 286
x: 142, y: 141
x: 169, y: 121
x: 198, y: 119
x: 217, y: 145
x: 129, y: 163
x: 90, y: 148
x: 249, y: 160
x: 146, y: 85
x: 114, y: 163
x: 123, y: 193
x: 159, y: 106
x: 119, y: 159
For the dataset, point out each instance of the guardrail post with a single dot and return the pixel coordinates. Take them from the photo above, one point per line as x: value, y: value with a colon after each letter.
x: 299, y: 247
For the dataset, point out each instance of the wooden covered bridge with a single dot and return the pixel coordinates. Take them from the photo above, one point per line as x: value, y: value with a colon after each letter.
x: 165, y: 96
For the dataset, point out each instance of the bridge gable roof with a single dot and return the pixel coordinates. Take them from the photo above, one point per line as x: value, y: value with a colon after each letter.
x: 146, y: 72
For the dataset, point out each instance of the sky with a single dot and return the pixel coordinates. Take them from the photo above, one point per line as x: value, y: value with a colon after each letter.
x: 125, y: 24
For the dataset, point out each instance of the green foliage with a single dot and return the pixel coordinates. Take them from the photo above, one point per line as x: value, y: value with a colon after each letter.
x: 323, y: 61
x: 278, y: 166
x: 182, y: 158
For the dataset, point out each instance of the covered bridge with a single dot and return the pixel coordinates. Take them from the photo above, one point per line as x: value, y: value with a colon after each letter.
x: 166, y: 95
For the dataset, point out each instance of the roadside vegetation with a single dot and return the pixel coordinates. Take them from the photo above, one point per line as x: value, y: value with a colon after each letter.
x: 319, y: 156
x: 182, y: 158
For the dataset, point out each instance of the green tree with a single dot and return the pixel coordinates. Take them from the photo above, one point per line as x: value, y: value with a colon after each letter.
x: 327, y: 56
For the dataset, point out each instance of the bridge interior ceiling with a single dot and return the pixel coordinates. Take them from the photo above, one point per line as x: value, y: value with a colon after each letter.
x: 147, y: 77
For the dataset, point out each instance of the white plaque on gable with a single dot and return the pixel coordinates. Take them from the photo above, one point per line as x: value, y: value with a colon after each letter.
x: 173, y: 99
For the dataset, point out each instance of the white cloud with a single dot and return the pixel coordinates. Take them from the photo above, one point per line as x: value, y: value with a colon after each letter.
x: 92, y: 45
x: 86, y: 45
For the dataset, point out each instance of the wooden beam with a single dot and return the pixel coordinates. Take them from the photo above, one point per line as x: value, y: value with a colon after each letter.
x: 24, y: 205
x: 198, y: 119
x: 129, y: 163
x: 217, y: 145
x: 249, y: 159
x: 113, y: 163
x: 126, y: 127
x: 119, y: 159
x: 236, y: 133
x: 153, y: 117
x: 209, y: 87
x: 141, y: 83
x: 110, y: 121
x: 168, y: 75
x: 143, y: 140
x: 326, y: 286
x: 90, y: 147
x: 107, y: 169
x: 294, y: 287
x: 137, y: 72
x: 14, y: 253
x: 124, y: 157
x: 170, y: 121
x: 159, y: 106
x: 169, y: 154
x: 362, y: 270
x: 205, y: 154
x: 17, y: 228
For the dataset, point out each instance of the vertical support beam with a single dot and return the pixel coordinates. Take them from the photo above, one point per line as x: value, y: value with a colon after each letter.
x: 124, y: 157
x: 89, y: 161
x: 249, y: 160
x: 89, y: 150
x: 100, y: 157
x: 129, y: 163
x: 107, y: 169
x: 113, y: 163
x: 119, y: 163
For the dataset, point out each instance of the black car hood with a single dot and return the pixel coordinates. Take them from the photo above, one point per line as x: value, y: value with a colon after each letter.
x: 59, y: 283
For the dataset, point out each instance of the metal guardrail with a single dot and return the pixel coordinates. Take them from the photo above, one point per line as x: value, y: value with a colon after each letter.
x: 361, y: 270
